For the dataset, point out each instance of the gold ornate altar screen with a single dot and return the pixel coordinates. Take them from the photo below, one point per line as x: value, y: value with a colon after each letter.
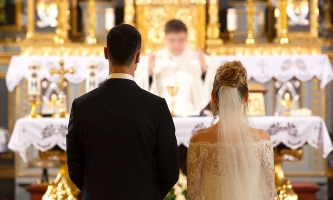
x: 150, y: 17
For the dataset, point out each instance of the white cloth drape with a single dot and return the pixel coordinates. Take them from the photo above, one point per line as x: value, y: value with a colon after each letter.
x: 4, y: 137
x: 260, y: 68
x: 294, y: 132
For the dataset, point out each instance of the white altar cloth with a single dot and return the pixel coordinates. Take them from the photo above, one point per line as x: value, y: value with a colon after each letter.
x: 4, y: 137
x: 260, y: 68
x: 294, y: 132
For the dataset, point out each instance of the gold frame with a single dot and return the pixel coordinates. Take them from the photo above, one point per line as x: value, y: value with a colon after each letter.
x: 18, y: 16
x: 313, y: 33
x: 31, y: 32
x: 97, y: 11
x: 261, y: 18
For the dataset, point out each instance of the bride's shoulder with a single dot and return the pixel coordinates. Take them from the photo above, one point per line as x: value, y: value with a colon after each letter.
x: 263, y: 134
x: 203, y: 135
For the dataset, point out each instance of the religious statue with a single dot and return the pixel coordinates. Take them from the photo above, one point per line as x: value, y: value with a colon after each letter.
x: 297, y: 11
x: 47, y: 12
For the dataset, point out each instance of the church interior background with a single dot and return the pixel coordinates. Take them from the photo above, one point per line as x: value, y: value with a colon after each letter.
x: 51, y: 51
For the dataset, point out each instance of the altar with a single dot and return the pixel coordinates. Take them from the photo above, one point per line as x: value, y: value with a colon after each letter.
x: 292, y: 63
x: 312, y: 72
x: 294, y: 132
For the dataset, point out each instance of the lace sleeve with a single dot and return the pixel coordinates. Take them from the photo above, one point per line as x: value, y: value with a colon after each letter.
x: 194, y: 164
x: 267, y: 160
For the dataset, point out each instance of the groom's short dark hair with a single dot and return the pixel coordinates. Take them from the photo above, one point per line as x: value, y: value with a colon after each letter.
x: 123, y: 42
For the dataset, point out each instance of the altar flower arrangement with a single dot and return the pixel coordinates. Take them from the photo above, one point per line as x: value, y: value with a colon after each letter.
x: 179, y: 191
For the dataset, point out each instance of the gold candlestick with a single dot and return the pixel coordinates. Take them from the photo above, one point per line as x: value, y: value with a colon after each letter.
x: 250, y: 23
x: 283, y: 18
x: 62, y: 28
x: 231, y: 36
x: 129, y: 12
x: 173, y: 90
x: 213, y: 25
x: 33, y: 101
x: 91, y: 39
x: 62, y: 187
x: 282, y: 184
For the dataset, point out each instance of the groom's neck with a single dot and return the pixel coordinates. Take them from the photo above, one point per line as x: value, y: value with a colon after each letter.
x: 121, y: 69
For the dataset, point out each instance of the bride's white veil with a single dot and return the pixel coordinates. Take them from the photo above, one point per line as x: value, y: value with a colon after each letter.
x: 239, y: 162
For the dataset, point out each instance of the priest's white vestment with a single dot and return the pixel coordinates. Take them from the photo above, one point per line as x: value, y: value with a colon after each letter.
x: 183, y: 71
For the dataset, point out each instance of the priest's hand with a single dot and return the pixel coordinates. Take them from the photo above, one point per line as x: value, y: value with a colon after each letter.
x: 202, y: 61
x: 151, y: 63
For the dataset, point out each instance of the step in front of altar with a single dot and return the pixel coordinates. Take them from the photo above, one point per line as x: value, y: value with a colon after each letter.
x: 305, y: 190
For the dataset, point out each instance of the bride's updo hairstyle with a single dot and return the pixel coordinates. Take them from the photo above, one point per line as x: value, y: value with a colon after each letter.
x: 230, y: 74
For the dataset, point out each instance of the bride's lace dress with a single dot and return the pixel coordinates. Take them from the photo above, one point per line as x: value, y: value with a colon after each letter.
x: 203, y: 172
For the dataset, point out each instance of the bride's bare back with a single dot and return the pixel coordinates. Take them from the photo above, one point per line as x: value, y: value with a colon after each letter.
x: 210, y: 134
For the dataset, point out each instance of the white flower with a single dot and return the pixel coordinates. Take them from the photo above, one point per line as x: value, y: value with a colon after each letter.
x: 183, y: 182
x: 180, y: 197
x: 178, y: 190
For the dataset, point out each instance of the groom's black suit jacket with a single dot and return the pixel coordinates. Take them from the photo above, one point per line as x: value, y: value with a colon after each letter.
x: 121, y: 144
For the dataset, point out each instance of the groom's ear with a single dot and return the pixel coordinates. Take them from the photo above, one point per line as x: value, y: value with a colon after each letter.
x: 137, y: 57
x: 106, y: 55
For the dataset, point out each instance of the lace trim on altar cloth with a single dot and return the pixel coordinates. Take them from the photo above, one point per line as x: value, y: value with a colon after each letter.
x: 203, y: 172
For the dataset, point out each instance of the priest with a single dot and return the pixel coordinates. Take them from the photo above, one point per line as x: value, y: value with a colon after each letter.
x: 182, y: 68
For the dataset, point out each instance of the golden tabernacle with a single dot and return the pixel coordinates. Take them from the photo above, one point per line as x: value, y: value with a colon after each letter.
x: 51, y: 52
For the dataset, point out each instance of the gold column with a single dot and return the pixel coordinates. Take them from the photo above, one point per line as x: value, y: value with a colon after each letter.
x: 62, y: 28
x: 62, y: 187
x: 328, y: 6
x: 283, y: 18
x: 250, y: 23
x: 282, y: 184
x: 91, y: 39
x: 129, y: 12
x: 213, y: 28
x: 270, y: 21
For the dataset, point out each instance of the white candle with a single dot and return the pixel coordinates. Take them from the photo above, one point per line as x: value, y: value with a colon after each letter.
x: 109, y: 18
x: 34, y: 88
x: 231, y: 19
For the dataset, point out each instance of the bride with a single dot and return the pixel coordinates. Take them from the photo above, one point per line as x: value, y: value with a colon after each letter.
x: 230, y: 160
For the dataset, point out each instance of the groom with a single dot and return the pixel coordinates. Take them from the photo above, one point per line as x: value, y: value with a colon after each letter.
x: 121, y: 142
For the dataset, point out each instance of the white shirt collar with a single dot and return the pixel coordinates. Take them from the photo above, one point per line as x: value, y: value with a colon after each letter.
x: 121, y: 76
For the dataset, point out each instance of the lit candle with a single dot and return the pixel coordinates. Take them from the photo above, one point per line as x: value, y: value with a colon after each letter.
x: 34, y: 88
x: 109, y: 18
x: 231, y: 19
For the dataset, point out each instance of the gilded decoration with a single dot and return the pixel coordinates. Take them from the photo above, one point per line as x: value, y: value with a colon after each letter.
x: 170, y: 2
x: 151, y: 21
x: 71, y: 49
x: 264, y: 49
